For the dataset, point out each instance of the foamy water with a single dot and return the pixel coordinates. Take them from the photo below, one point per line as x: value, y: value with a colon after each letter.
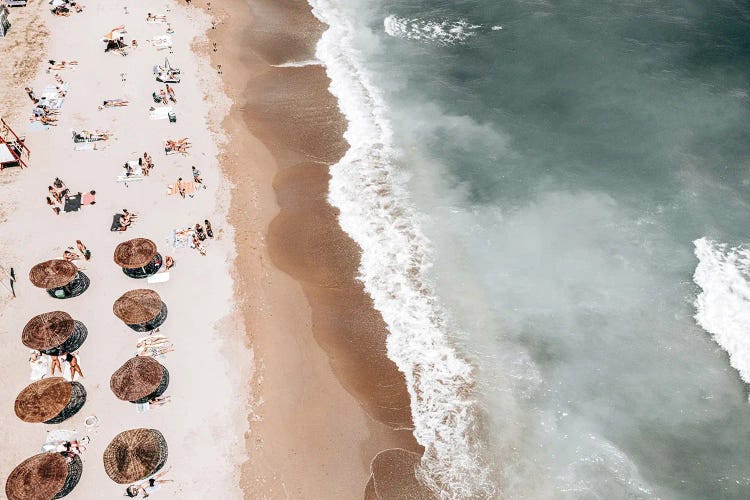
x: 435, y: 31
x: 375, y: 211
x: 723, y: 306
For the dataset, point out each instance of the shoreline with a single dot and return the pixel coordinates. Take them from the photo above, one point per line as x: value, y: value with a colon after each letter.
x: 306, y: 269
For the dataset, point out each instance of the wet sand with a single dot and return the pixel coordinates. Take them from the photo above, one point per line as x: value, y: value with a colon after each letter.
x: 327, y: 400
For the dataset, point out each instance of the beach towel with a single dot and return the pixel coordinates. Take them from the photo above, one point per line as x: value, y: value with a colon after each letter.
x: 158, y: 278
x: 36, y: 125
x: 85, y: 146
x: 189, y: 188
x: 88, y: 199
x: 159, y: 113
x: 73, y: 203
x: 39, y: 368
x: 57, y: 438
x: 116, y: 223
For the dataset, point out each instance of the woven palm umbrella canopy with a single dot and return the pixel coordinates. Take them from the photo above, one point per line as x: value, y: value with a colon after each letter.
x: 41, y: 477
x: 138, y: 306
x: 134, y: 455
x: 135, y: 253
x: 43, y: 400
x: 53, y: 273
x: 139, y: 378
x: 48, y: 330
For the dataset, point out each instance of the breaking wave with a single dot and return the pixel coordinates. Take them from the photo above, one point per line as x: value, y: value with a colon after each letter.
x: 375, y: 211
x: 723, y: 307
x: 438, y: 32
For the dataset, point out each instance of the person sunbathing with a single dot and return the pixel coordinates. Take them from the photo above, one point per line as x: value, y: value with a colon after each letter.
x: 113, y: 103
x: 170, y: 92
x: 153, y: 18
x: 84, y: 251
x: 70, y: 256
x: 48, y: 121
x: 163, y: 96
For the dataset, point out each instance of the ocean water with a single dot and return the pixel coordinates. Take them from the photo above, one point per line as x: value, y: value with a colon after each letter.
x: 552, y: 201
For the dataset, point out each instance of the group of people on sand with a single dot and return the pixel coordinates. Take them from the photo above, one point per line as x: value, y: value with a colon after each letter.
x: 200, y: 234
x: 70, y: 255
x: 166, y: 95
x: 178, y: 146
x: 41, y: 112
x: 127, y: 218
x: 52, y: 363
x: 58, y: 193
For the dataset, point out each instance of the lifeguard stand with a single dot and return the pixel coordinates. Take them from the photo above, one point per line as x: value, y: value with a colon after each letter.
x: 13, y: 151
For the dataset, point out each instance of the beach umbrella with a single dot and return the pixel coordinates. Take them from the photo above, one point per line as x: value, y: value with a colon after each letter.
x: 60, y: 278
x: 141, y: 309
x: 54, y: 333
x: 135, y: 454
x: 140, y: 379
x: 138, y: 257
x: 44, y: 477
x: 50, y: 400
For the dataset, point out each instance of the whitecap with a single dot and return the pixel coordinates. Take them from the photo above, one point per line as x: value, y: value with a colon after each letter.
x: 723, y: 306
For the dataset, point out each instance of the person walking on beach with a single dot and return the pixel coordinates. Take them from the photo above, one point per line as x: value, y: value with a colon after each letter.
x: 197, y: 177
x: 181, y: 187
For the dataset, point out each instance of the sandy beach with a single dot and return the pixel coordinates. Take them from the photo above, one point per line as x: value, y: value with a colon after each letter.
x: 279, y: 382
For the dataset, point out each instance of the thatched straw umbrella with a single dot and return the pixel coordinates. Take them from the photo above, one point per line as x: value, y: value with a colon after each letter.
x: 60, y: 278
x: 134, y: 455
x: 141, y: 309
x: 140, y: 379
x: 50, y: 400
x: 44, y: 477
x: 138, y: 257
x: 54, y: 333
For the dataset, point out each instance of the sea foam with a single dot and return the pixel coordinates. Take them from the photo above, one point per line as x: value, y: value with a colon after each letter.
x: 438, y: 32
x: 374, y: 209
x: 723, y: 307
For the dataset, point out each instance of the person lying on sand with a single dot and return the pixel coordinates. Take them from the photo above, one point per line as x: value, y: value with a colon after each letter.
x: 84, y: 251
x: 149, y: 486
x: 114, y: 103
x: 59, y: 183
x: 152, y: 17
x: 171, y: 94
x: 31, y: 94
x: 200, y: 232
x: 181, y: 187
x: 209, y: 230
x: 168, y: 262
x: 70, y: 256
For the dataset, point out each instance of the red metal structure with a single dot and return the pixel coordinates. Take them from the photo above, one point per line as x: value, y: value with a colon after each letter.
x: 12, y: 148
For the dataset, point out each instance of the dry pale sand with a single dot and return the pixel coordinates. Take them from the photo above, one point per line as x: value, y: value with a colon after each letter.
x: 205, y: 422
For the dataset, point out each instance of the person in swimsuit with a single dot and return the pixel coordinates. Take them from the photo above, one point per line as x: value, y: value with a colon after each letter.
x: 74, y: 366
x: 56, y: 363
x: 209, y: 231
x: 200, y: 232
x: 70, y: 256
x: 82, y: 248
x: 168, y: 262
